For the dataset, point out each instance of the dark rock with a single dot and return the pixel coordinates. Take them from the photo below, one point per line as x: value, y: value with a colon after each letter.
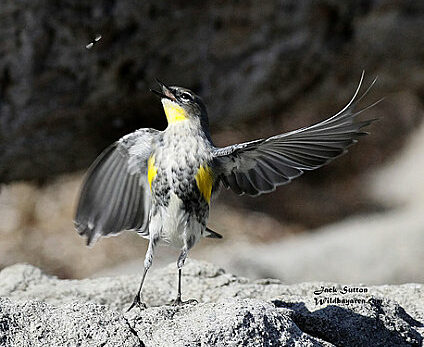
x: 61, y: 104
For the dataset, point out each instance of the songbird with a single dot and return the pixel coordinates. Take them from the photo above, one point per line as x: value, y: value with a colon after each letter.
x: 160, y: 184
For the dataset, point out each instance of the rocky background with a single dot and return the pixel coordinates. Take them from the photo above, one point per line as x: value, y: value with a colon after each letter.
x: 262, y: 68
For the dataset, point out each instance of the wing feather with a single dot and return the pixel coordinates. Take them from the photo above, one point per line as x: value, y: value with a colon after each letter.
x: 260, y: 166
x: 115, y: 195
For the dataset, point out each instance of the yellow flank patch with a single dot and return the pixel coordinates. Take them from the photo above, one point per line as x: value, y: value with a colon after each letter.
x: 204, y: 180
x: 151, y: 170
x: 174, y: 113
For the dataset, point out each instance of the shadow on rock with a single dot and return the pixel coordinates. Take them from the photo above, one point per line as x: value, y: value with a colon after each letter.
x: 344, y: 327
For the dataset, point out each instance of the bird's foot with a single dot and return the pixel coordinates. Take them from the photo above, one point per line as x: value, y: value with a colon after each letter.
x: 179, y: 302
x: 137, y: 302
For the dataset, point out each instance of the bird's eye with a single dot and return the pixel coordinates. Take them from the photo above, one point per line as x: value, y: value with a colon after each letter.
x: 185, y: 97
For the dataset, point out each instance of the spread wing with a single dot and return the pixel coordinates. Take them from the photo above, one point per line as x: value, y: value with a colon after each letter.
x: 260, y: 166
x: 115, y: 195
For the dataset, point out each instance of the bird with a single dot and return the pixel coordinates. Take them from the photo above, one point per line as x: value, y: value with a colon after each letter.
x: 160, y: 184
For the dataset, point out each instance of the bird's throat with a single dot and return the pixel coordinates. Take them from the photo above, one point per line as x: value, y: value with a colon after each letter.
x: 174, y: 112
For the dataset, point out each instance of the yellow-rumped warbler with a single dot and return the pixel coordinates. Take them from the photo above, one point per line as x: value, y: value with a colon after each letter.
x: 160, y: 183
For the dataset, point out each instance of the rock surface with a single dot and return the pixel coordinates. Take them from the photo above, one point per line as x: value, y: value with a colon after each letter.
x: 39, y: 310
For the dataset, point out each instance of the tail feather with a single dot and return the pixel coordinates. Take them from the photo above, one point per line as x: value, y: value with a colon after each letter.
x: 212, y: 234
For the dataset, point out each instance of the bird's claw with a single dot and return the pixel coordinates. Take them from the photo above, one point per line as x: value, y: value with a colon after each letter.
x: 137, y: 302
x: 179, y: 302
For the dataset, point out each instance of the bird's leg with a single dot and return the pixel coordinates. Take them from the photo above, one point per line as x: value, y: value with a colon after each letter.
x: 147, y: 263
x: 180, y: 264
x: 137, y: 299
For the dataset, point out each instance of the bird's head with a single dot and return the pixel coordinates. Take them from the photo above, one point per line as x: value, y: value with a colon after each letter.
x: 181, y: 104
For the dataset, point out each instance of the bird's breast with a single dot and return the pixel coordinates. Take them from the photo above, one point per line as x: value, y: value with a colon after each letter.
x: 182, y: 165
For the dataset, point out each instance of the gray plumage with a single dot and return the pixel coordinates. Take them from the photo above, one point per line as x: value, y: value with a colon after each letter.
x: 114, y: 195
x: 260, y: 166
x: 159, y: 183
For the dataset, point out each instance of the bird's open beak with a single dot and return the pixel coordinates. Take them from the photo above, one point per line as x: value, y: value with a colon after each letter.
x: 165, y: 93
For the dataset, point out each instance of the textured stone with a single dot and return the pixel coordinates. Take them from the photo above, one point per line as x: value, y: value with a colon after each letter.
x: 36, y: 323
x: 40, y: 310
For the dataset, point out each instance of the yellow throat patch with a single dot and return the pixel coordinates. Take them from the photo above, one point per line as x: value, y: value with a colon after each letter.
x: 174, y: 112
x: 204, y: 180
x: 151, y: 170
